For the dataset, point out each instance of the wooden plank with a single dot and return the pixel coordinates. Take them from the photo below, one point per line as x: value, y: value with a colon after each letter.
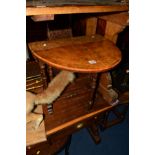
x: 118, y: 18
x: 46, y: 45
x: 74, y: 9
x: 38, y: 18
x: 35, y: 136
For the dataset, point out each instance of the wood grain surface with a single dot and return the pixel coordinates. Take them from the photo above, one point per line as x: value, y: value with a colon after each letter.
x: 84, y: 54
x: 74, y: 9
x: 71, y: 113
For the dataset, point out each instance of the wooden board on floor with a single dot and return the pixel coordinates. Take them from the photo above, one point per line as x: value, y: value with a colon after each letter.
x: 35, y: 136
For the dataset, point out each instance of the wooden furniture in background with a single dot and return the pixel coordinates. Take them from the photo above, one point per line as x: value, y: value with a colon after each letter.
x: 33, y: 77
x: 112, y: 25
x: 119, y: 115
x: 34, y: 84
x: 37, y: 141
x: 115, y: 23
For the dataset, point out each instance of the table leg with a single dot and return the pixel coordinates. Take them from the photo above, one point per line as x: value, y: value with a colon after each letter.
x: 95, y: 83
x: 45, y: 84
x: 43, y: 74
x: 50, y: 73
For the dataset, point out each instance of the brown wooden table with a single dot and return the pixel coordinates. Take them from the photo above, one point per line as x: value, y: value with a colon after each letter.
x: 80, y: 54
x: 88, y: 54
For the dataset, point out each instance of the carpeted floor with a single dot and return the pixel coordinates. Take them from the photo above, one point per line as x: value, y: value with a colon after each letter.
x: 115, y: 141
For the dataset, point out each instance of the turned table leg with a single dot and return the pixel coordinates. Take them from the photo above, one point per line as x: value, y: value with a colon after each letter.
x: 45, y: 83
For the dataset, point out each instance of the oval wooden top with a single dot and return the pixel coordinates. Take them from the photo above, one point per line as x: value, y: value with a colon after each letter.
x: 81, y: 54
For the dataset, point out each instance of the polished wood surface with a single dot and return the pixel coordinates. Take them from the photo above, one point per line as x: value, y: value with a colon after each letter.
x: 74, y: 9
x: 77, y: 120
x: 66, y: 107
x: 47, y: 45
x: 72, y: 114
x: 84, y: 54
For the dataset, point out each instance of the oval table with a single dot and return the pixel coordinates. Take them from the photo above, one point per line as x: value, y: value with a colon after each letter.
x: 84, y: 54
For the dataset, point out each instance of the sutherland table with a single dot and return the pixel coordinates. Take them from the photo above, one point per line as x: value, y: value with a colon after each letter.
x: 80, y: 54
x: 79, y: 105
x: 86, y: 54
